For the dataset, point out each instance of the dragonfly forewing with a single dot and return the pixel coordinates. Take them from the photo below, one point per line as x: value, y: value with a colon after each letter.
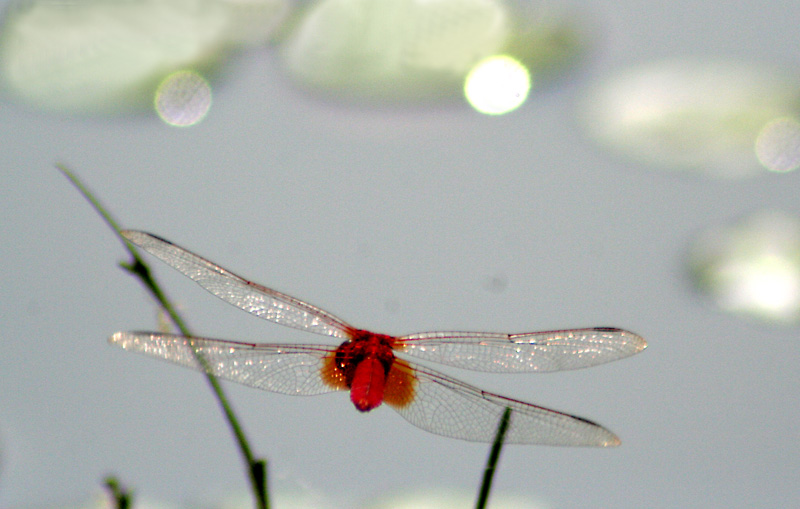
x: 263, y: 302
x: 519, y: 353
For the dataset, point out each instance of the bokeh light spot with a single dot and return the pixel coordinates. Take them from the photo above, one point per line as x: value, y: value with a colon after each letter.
x: 778, y: 145
x: 183, y: 98
x: 752, y: 267
x: 497, y: 85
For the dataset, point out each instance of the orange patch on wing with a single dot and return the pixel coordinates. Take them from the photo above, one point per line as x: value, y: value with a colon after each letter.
x: 331, y: 374
x: 400, y: 384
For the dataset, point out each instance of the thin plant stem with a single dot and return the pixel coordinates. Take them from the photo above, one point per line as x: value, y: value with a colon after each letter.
x: 494, y: 456
x: 257, y: 468
x: 122, y: 497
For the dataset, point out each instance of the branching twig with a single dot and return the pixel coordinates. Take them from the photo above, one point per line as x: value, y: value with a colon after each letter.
x: 257, y: 468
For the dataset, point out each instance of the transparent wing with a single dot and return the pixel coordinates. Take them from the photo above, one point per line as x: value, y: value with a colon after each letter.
x: 256, y: 299
x: 286, y: 369
x: 516, y: 353
x: 448, y: 407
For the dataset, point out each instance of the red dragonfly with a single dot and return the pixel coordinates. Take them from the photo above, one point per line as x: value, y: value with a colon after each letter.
x: 369, y: 365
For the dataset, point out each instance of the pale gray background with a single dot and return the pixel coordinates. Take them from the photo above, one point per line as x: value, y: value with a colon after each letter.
x: 397, y: 220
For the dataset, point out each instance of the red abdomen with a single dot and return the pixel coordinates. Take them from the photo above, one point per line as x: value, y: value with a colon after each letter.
x: 369, y: 380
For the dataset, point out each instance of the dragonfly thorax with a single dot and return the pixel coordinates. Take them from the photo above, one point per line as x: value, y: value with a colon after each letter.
x: 363, y: 363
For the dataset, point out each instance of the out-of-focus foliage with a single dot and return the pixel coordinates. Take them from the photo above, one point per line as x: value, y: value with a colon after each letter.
x: 690, y: 115
x: 109, y: 56
x: 401, y: 50
x: 752, y: 267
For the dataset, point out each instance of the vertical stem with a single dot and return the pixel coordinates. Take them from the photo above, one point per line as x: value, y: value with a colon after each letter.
x: 494, y: 456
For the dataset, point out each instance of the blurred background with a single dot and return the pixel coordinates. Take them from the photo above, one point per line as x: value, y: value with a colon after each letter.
x: 408, y: 165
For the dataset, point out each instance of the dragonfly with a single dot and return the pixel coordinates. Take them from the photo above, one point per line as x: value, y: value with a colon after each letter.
x: 379, y: 368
